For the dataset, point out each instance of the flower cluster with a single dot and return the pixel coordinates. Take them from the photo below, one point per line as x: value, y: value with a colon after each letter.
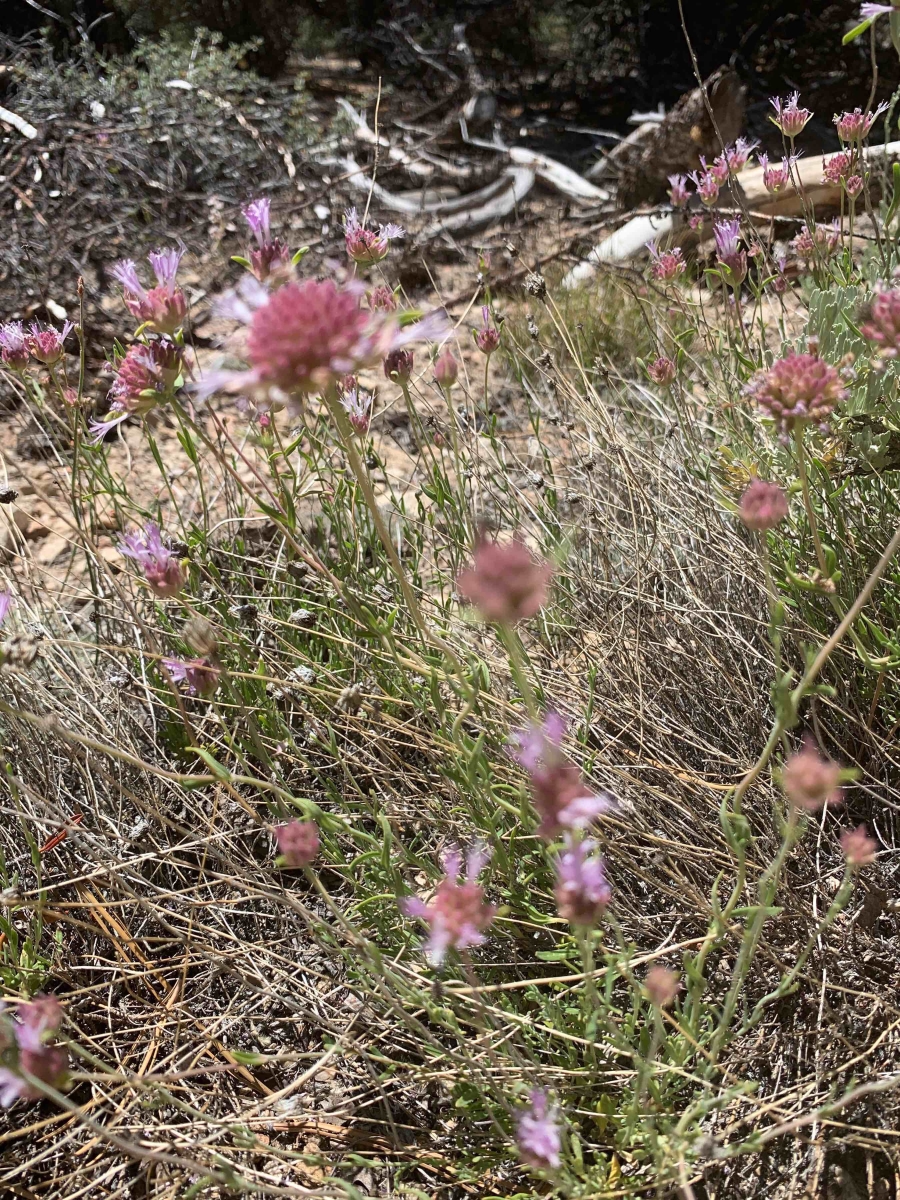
x: 298, y: 843
x: 679, y: 192
x: 667, y: 264
x: 161, y: 308
x: 881, y: 323
x: 857, y: 125
x: 776, y: 178
x: 487, y: 338
x: 789, y: 117
x: 161, y: 567
x: 810, y: 781
x: 24, y: 1049
x: 505, y: 582
x: 148, y: 372
x: 366, y: 247
x: 270, y: 256
x: 663, y: 371
x: 796, y: 389
x: 817, y: 243
x: 707, y: 186
x: 457, y: 914
x: 43, y: 343
x: 732, y: 258
x: 538, y: 1132
x: 356, y: 403
x: 200, y: 676
x: 563, y: 801
x: 582, y: 890
x: 763, y: 505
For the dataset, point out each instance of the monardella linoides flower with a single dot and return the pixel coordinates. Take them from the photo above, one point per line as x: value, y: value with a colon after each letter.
x: 357, y: 403
x: 718, y: 169
x: 457, y: 915
x: 854, y: 184
x: 763, y: 505
x: 857, y: 125
x: 161, y: 567
x: 368, y: 246
x: 869, y: 12
x: 531, y: 746
x: 859, y: 849
x: 582, y: 890
x: 487, y: 338
x: 810, y: 781
x: 45, y: 342
x: 538, y: 1133
x: 707, y: 187
x: 143, y: 376
x: 26, y: 1038
x: 663, y: 371
x: 13, y: 346
x: 561, y: 797
x: 199, y: 676
x: 446, y: 370
x: 776, y: 178
x: 798, y: 388
x: 837, y: 167
x: 881, y: 323
x: 399, y: 365
x: 679, y: 192
x: 820, y: 242
x: 163, y: 307
x: 667, y: 264
x: 731, y: 257
x: 298, y: 843
x: 662, y: 986
x: 505, y: 582
x: 383, y: 298
x: 270, y: 254
x: 306, y: 337
x: 738, y: 155
x: 789, y: 117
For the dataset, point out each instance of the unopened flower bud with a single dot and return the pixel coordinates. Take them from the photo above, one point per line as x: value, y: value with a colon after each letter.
x: 201, y: 637
x: 446, y: 370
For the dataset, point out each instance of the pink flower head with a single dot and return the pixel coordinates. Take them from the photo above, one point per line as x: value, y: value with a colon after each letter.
x: 505, y: 582
x: 538, y: 1133
x: 536, y: 743
x: 869, y: 12
x: 298, y: 843
x: 357, y: 403
x: 446, y: 370
x: 562, y: 798
x: 679, y: 192
x: 6, y: 603
x: 13, y: 346
x: 667, y: 265
x: 882, y: 323
x: 718, y: 169
x: 810, y: 781
x: 457, y: 914
x: 707, y: 186
x: 738, y: 155
x: 161, y: 567
x: 45, y: 342
x: 789, y: 117
x: 366, y: 246
x: 731, y: 256
x: 270, y: 254
x: 854, y: 185
x: 859, y: 849
x: 797, y: 388
x: 663, y: 371
x: 306, y: 337
x: 776, y: 178
x: 582, y: 891
x: 161, y: 308
x: 763, y: 505
x: 487, y: 339
x: 37, y: 1022
x: 820, y: 242
x: 146, y: 371
x: 399, y: 365
x: 383, y: 298
x: 199, y: 676
x: 662, y: 986
x: 855, y: 126
x: 837, y: 167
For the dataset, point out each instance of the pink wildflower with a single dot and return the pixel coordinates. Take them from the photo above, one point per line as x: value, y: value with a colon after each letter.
x: 857, y: 125
x: 298, y: 843
x: 679, y: 192
x: 6, y: 603
x: 446, y: 370
x: 399, y: 365
x: 718, y: 169
x: 271, y: 254
x: 143, y: 376
x: 505, y: 581
x: 881, y: 323
x: 797, y: 388
x: 161, y: 567
x: 695, y: 221
x: 789, y: 117
x: 13, y: 346
x: 199, y: 675
x: 837, y: 167
x: 820, y: 242
x: 562, y: 798
x: 859, y: 849
x: 37, y: 1021
x: 538, y: 1133
x: 366, y: 247
x: 45, y: 343
x: 738, y: 155
x: 775, y: 178
x: 730, y: 255
x: 530, y: 746
x: 383, y: 298
x: 357, y: 403
x: 163, y: 307
x: 662, y: 371
x: 763, y: 505
x: 854, y: 185
x: 487, y: 339
x: 707, y: 186
x: 667, y: 265
x: 810, y: 781
x: 869, y: 12
x: 662, y: 986
x: 457, y: 915
x: 582, y: 890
